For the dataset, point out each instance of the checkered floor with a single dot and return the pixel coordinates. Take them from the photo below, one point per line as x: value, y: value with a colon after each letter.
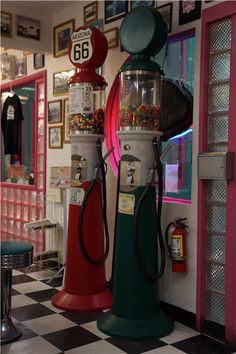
x: 47, y: 330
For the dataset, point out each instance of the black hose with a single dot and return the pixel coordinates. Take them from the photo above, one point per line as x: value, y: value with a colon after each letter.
x: 104, y: 190
x: 115, y: 233
x: 159, y: 206
x: 158, y: 273
x: 82, y: 210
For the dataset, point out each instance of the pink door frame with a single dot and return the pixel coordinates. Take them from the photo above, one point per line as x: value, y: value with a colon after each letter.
x: 39, y: 242
x: 218, y: 12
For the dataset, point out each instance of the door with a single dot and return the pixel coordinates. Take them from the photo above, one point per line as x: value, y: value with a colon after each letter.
x: 216, y: 285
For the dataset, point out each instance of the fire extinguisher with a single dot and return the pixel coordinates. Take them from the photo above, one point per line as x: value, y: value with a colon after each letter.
x: 175, y: 236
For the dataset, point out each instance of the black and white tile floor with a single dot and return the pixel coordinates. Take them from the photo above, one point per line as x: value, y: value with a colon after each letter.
x: 47, y: 330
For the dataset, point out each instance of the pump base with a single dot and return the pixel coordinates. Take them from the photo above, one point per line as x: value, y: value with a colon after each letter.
x: 82, y: 303
x: 154, y: 327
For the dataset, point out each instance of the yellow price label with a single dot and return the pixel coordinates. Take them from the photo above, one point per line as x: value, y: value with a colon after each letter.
x: 126, y: 203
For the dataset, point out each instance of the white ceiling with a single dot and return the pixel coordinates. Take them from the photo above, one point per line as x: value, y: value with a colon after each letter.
x: 46, y: 6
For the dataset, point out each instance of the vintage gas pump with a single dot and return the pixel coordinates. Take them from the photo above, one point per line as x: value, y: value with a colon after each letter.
x: 135, y: 310
x: 85, y: 283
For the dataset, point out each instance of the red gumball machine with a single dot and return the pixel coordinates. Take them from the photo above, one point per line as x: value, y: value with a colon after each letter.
x: 85, y: 287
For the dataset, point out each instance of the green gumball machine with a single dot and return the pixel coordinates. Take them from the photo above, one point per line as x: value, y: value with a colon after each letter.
x: 139, y: 257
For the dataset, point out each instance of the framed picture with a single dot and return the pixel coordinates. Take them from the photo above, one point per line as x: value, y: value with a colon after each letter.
x: 166, y: 12
x: 66, y: 120
x: 134, y: 3
x: 55, y: 111
x: 20, y: 66
x: 27, y: 52
x: 61, y: 35
x: 38, y: 60
x: 27, y: 27
x: 90, y: 12
x: 60, y: 177
x: 6, y: 24
x: 189, y: 11
x: 97, y: 24
x: 55, y: 137
x: 114, y: 10
x: 60, y: 82
x: 112, y: 37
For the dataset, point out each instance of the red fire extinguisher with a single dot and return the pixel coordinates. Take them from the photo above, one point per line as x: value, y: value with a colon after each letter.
x: 175, y: 235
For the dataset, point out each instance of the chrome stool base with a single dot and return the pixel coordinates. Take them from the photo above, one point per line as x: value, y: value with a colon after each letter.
x: 9, y: 333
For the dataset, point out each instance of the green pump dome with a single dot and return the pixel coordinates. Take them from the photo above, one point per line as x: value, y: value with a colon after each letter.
x: 143, y: 33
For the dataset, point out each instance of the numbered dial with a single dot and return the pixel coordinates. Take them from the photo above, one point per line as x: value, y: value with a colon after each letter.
x: 87, y: 47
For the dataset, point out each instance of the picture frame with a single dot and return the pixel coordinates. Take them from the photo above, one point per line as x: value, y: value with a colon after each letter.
x: 55, y: 137
x: 6, y: 24
x: 54, y: 111
x: 112, y: 37
x: 166, y: 12
x: 20, y: 66
x: 97, y: 24
x: 91, y: 12
x: 61, y: 35
x: 189, y: 11
x: 134, y: 3
x: 60, y: 82
x: 38, y: 60
x: 113, y: 10
x: 27, y: 27
x: 27, y: 52
x: 66, y: 120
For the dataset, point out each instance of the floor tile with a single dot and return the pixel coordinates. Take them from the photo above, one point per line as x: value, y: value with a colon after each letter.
x: 59, y: 288
x: 36, y: 345
x: 21, y: 278
x: 51, y: 307
x: 26, y: 332
x: 136, y: 346
x: 180, y: 332
x: 71, y: 338
x: 25, y: 288
x: 100, y: 347
x: 14, y: 292
x: 92, y: 327
x: 202, y: 344
x: 16, y: 272
x: 81, y: 318
x: 21, y: 300
x: 48, y: 330
x: 48, y: 324
x: 29, y: 312
x: 167, y: 349
x: 43, y: 295
x: 42, y: 274
x: 56, y: 282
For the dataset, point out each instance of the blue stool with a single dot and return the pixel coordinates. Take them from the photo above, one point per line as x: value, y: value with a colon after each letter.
x: 13, y: 255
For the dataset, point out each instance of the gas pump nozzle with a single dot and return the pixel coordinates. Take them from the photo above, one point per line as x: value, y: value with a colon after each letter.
x: 165, y: 151
x: 98, y: 165
x: 151, y: 175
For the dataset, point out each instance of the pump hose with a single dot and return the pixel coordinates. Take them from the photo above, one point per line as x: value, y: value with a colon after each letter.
x: 115, y: 228
x: 158, y: 273
x: 82, y: 210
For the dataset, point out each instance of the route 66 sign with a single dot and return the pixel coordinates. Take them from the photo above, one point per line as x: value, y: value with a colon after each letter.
x: 81, y: 49
x: 87, y: 48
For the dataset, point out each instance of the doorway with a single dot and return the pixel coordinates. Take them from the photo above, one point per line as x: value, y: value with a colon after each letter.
x: 23, y: 177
